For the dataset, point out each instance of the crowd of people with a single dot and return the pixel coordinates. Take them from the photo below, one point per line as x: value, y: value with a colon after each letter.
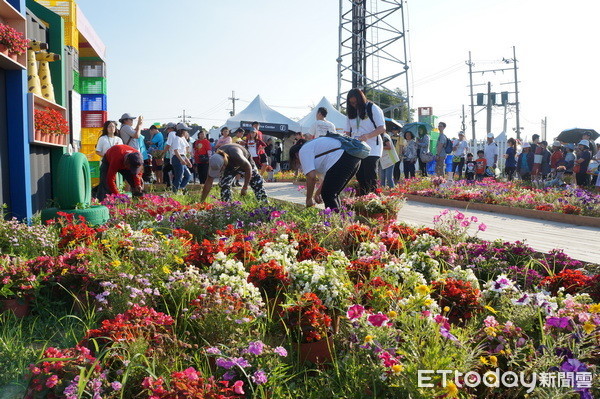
x: 242, y: 157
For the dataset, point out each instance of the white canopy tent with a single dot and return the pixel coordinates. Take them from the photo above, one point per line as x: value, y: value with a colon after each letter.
x: 333, y: 116
x: 258, y: 111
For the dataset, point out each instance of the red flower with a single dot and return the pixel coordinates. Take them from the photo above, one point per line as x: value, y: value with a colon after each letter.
x: 269, y: 277
x: 360, y: 270
x: 307, y: 319
x: 573, y: 281
x: 460, y: 296
x: 203, y: 255
x: 191, y: 384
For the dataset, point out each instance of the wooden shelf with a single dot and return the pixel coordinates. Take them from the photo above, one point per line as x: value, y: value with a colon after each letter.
x: 8, y: 63
x: 36, y: 102
x: 14, y: 19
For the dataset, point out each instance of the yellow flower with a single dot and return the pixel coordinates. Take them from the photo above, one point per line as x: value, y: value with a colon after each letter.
x: 368, y: 339
x: 588, y: 327
x: 116, y: 263
x: 451, y: 390
x: 104, y: 242
x: 446, y: 309
x: 397, y: 369
x: 502, y: 352
x: 491, y: 309
x: 391, y: 314
x: 423, y: 289
x: 595, y: 308
x: 494, y: 361
x: 483, y: 360
x: 389, y: 293
x: 178, y: 260
x: 428, y: 302
x: 63, y: 272
x: 166, y: 270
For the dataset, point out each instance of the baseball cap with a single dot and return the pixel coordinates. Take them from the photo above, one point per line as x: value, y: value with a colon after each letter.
x: 215, y: 164
x: 126, y: 116
x: 135, y: 161
x: 526, y: 145
x: 183, y: 126
x: 461, y: 133
x: 490, y: 135
x: 556, y: 144
x: 170, y: 125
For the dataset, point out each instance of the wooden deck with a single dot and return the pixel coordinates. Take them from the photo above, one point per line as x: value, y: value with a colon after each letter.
x: 579, y: 242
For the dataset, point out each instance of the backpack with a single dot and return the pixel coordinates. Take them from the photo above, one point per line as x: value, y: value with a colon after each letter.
x: 449, y: 145
x: 354, y: 147
x: 369, y: 109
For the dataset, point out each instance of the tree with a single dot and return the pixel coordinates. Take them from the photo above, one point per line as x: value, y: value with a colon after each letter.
x: 391, y: 101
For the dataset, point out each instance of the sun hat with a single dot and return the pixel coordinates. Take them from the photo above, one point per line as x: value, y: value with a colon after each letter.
x: 126, y: 116
x: 490, y: 135
x: 556, y: 144
x: 461, y: 133
x: 183, y: 126
x: 526, y: 145
x: 570, y: 146
x: 584, y: 143
x: 215, y: 164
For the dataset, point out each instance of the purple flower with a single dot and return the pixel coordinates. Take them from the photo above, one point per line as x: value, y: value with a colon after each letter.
x: 280, y: 350
x: 116, y: 385
x: 213, y: 350
x: 573, y: 365
x: 260, y: 377
x: 559, y: 322
x: 447, y: 334
x: 224, y: 363
x: 228, y: 376
x: 482, y: 227
x: 256, y: 348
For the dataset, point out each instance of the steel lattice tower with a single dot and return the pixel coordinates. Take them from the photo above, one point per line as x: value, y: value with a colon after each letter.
x: 372, y: 33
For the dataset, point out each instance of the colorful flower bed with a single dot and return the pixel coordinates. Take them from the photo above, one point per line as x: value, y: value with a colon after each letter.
x: 569, y: 200
x: 174, y: 300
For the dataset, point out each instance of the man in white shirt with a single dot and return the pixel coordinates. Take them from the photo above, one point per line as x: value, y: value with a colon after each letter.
x: 440, y: 155
x: 171, y: 135
x: 322, y: 125
x: 129, y: 135
x: 490, y: 153
x: 324, y: 157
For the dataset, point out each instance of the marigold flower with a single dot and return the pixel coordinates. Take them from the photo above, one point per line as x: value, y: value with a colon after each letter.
x: 423, y: 289
x: 588, y: 327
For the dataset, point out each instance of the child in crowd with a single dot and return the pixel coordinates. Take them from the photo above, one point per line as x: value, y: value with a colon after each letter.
x: 557, y: 178
x: 470, y: 167
x: 481, y: 165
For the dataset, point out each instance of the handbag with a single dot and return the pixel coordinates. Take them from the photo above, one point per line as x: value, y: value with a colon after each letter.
x: 426, y: 157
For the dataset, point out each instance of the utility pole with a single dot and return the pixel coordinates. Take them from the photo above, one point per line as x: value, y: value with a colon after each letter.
x: 470, y: 64
x: 505, y: 126
x: 544, y: 128
x: 516, y: 93
x: 463, y: 127
x: 233, y: 100
x: 489, y: 108
x: 183, y: 117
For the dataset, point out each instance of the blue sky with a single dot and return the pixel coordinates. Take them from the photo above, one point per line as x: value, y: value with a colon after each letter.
x: 164, y: 57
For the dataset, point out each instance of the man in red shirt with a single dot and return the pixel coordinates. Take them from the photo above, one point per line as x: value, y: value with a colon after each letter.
x: 128, y: 162
x: 202, y: 152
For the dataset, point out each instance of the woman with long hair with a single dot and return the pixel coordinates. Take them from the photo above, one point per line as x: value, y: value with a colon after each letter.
x: 365, y: 122
x: 224, y: 139
x: 108, y: 138
x: 510, y: 166
x: 410, y: 155
x: 422, y: 148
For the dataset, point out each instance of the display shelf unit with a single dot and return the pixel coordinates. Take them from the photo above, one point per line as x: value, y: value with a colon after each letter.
x: 11, y: 17
x: 37, y: 102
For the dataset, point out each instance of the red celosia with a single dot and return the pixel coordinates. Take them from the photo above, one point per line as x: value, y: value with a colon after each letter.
x: 309, y: 248
x: 242, y: 251
x: 190, y: 383
x: 307, y: 318
x: 203, y: 254
x: 570, y: 209
x: 355, y: 234
x: 573, y: 281
x: 75, y: 233
x: 360, y: 269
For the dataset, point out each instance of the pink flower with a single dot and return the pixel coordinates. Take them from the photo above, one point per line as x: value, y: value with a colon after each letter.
x: 465, y: 223
x: 482, y: 227
x: 191, y: 373
x: 52, y: 381
x: 474, y: 219
x: 237, y: 387
x: 460, y: 216
x: 275, y: 214
x: 377, y: 320
x: 355, y: 311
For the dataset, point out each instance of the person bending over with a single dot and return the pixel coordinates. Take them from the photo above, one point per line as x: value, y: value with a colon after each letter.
x: 128, y: 162
x: 226, y: 163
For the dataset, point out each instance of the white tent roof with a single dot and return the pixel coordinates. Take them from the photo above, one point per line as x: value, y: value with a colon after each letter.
x: 333, y: 116
x: 257, y: 110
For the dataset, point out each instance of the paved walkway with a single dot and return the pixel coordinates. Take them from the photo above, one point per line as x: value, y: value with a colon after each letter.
x: 579, y: 242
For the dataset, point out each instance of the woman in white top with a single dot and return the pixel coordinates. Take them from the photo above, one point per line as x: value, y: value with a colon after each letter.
x: 460, y: 148
x: 365, y: 122
x: 179, y: 159
x: 108, y: 138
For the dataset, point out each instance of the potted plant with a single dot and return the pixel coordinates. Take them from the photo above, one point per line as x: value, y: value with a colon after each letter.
x: 12, y: 42
x: 50, y: 126
x: 310, y: 327
x: 18, y: 284
x: 270, y: 278
x: 376, y: 206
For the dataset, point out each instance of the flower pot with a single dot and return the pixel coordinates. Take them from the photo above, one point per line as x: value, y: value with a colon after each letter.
x: 316, y: 352
x: 38, y: 135
x: 13, y: 56
x: 19, y: 306
x: 3, y: 49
